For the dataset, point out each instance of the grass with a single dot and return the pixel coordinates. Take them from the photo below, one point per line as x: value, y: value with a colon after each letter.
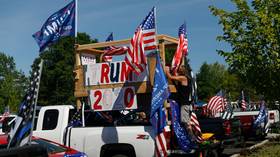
x: 271, y: 149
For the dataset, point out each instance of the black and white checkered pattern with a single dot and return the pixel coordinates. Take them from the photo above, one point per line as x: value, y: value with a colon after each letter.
x: 228, y: 112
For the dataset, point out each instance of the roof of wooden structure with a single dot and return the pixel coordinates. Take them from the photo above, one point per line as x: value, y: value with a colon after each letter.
x: 93, y: 48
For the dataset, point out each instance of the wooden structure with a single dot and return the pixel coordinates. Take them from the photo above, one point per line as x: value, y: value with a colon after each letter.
x: 164, y: 41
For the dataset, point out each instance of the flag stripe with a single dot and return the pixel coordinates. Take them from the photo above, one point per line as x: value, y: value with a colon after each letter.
x: 181, y: 50
x: 143, y: 39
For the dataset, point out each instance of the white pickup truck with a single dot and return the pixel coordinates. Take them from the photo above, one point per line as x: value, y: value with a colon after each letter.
x: 97, y: 138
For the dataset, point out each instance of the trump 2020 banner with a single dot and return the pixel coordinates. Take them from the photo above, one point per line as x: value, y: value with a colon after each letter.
x: 119, y: 98
x: 111, y: 73
x: 61, y: 23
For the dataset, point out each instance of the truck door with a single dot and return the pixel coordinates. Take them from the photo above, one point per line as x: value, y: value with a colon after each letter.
x: 51, y: 123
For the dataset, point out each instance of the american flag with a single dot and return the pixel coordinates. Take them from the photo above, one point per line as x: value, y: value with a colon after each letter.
x: 5, y: 114
x: 196, y: 127
x: 243, y: 102
x: 22, y: 130
x: 76, y: 119
x: 228, y: 112
x: 182, y: 48
x: 113, y: 50
x: 161, y: 135
x: 144, y: 39
x: 216, y: 104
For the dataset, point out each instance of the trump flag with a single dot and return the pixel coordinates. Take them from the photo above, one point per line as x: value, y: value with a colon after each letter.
x: 59, y: 24
x: 158, y: 117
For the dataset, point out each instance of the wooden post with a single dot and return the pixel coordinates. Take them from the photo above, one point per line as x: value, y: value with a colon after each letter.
x: 77, y: 76
x: 162, y: 52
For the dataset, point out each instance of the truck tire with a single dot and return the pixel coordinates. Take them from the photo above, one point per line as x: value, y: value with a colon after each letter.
x: 211, y: 153
x: 120, y: 155
x: 117, y: 150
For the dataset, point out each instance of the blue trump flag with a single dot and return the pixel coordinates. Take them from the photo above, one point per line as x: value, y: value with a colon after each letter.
x: 160, y: 89
x: 262, y: 118
x: 59, y: 24
x: 183, y: 138
x: 158, y: 117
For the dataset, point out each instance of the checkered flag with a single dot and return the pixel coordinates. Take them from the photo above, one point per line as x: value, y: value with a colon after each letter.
x: 21, y: 132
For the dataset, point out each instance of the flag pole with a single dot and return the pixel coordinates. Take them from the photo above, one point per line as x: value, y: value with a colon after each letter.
x: 155, y: 12
x: 76, y: 20
x: 83, y: 114
x: 36, y: 99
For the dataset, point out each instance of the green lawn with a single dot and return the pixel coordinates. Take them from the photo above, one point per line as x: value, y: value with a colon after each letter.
x: 272, y: 149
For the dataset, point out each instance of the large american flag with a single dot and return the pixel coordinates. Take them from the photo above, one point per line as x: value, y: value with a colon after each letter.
x: 144, y: 39
x: 110, y: 51
x: 216, y: 104
x: 21, y: 132
x: 182, y: 48
x: 243, y: 102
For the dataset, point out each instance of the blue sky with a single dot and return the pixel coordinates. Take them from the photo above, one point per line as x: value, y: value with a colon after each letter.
x: 20, y: 19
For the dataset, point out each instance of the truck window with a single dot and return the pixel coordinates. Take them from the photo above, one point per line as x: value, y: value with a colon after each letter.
x: 50, y: 119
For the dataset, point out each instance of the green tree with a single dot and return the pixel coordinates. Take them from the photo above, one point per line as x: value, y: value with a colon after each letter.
x: 253, y: 31
x: 57, y: 80
x: 12, y: 83
x: 209, y: 80
x: 215, y: 77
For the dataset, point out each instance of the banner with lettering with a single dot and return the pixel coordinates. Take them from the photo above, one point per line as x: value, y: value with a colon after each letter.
x: 59, y: 24
x: 113, y: 99
x: 111, y: 73
x: 88, y: 59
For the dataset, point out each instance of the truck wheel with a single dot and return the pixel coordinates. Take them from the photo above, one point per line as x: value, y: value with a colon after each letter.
x: 117, y: 150
x: 211, y: 153
x: 119, y: 155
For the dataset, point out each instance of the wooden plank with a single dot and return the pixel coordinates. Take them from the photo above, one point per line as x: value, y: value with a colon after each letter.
x: 92, y: 51
x: 79, y: 94
x: 140, y: 87
x: 152, y: 67
x: 166, y: 38
x: 162, y: 52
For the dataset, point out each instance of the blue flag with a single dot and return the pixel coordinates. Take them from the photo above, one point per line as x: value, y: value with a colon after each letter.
x: 110, y: 37
x: 262, y: 116
x: 160, y: 89
x: 59, y: 24
x: 158, y: 117
x: 183, y: 138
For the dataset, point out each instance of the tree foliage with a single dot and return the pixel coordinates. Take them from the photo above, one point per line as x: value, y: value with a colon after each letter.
x: 253, y: 31
x: 12, y: 83
x: 215, y: 77
x: 57, y: 80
